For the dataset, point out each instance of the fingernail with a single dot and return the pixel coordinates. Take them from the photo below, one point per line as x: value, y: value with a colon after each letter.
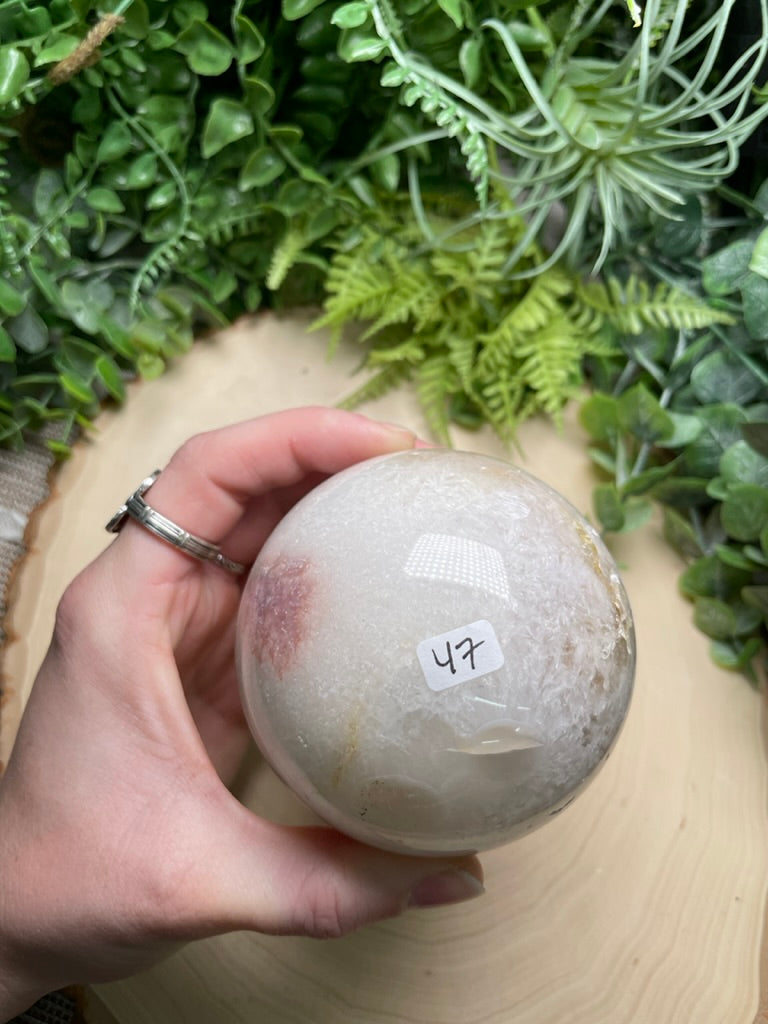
x: 401, y: 437
x: 454, y: 886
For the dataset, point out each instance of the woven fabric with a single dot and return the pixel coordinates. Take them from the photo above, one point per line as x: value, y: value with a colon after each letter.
x: 56, y: 1008
x: 23, y: 486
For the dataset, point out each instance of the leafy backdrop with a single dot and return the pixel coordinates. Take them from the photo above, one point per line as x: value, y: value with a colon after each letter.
x: 521, y: 203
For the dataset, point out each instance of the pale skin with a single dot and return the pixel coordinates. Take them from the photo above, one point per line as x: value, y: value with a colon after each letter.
x: 119, y: 839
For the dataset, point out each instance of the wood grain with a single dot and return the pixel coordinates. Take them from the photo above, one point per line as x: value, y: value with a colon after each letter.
x: 643, y: 902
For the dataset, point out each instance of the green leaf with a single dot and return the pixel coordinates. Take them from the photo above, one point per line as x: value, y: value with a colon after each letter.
x: 757, y: 597
x: 14, y: 73
x: 599, y: 415
x: 754, y: 304
x: 471, y: 61
x: 207, y: 50
x: 680, y: 534
x: 454, y: 10
x: 714, y: 617
x: 741, y: 464
x: 57, y: 48
x: 48, y: 188
x: 106, y: 200
x: 227, y: 122
x: 260, y: 98
x: 150, y: 365
x: 386, y: 172
x: 710, y: 577
x: 86, y: 302
x: 116, y: 141
x: 295, y: 9
x: 109, y: 374
x: 733, y: 556
x: 681, y: 491
x: 12, y: 302
x: 722, y: 376
x: 608, y: 507
x: 137, y: 23
x: 351, y: 15
x: 726, y: 270
x: 161, y: 196
x: 78, y: 388
x: 685, y: 429
x: 744, y: 513
x: 7, y: 347
x: 263, y: 166
x: 736, y: 655
x: 355, y: 45
x: 758, y: 264
x: 642, y: 483
x: 642, y: 414
x: 249, y: 40
x: 721, y: 427
x: 29, y: 331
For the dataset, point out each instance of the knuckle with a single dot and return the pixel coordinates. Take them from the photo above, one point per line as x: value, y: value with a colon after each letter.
x: 323, y: 913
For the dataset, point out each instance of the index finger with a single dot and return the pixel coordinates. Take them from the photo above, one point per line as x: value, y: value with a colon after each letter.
x: 213, y: 478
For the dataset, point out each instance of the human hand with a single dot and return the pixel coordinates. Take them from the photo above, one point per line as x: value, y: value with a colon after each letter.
x: 119, y: 838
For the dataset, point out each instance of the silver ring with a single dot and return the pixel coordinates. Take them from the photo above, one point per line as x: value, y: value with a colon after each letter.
x: 167, y: 530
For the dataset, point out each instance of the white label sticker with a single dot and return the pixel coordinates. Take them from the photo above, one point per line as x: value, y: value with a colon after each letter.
x: 459, y: 655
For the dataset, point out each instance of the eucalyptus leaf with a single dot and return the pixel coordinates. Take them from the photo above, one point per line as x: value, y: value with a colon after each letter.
x: 642, y: 414
x: 740, y: 463
x: 745, y: 511
x: 714, y: 617
x: 754, y: 302
x: 735, y: 655
x: 609, y: 507
x: 758, y: 263
x: 725, y: 271
x: 722, y: 376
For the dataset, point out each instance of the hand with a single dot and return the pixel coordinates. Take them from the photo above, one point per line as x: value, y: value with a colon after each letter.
x: 119, y: 838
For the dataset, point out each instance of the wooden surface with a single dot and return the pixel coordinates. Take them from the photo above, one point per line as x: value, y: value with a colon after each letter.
x: 643, y: 902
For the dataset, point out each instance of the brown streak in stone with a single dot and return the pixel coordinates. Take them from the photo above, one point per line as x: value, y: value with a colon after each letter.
x: 280, y: 597
x: 350, y: 746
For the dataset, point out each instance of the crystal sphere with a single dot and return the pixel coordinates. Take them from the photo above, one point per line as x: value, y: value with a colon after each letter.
x: 435, y: 651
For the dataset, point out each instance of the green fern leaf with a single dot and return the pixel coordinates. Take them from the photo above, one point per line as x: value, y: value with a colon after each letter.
x: 501, y: 400
x: 410, y: 294
x: 462, y: 353
x: 551, y: 365
x: 378, y: 385
x: 632, y: 307
x: 480, y: 270
x: 435, y: 383
x: 410, y: 351
x: 284, y: 257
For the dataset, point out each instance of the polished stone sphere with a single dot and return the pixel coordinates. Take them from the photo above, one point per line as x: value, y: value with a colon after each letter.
x: 435, y: 651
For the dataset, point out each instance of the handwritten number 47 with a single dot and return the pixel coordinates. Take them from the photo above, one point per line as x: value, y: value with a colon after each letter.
x: 471, y: 646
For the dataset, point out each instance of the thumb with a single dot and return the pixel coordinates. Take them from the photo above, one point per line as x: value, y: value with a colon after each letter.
x: 317, y: 882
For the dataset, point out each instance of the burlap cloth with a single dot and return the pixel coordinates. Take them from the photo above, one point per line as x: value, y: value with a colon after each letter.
x: 24, y: 484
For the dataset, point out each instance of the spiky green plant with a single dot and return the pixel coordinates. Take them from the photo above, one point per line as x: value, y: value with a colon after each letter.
x: 605, y: 137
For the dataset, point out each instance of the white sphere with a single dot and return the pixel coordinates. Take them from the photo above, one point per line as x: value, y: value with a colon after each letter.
x: 435, y: 651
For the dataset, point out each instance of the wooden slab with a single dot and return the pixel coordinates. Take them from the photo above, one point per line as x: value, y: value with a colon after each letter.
x: 643, y: 902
